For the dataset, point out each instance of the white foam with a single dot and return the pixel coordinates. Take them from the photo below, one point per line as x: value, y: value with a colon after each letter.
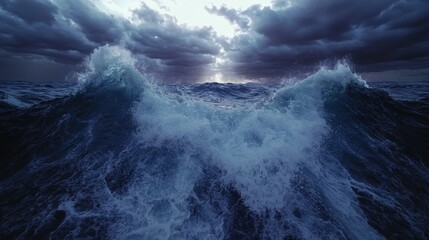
x: 111, y: 67
x: 258, y: 152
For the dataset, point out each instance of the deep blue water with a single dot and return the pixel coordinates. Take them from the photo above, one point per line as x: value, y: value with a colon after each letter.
x: 118, y: 157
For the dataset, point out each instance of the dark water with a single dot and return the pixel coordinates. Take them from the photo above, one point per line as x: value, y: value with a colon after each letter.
x: 116, y: 157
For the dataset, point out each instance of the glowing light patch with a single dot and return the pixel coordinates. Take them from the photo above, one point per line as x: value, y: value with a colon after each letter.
x: 191, y: 13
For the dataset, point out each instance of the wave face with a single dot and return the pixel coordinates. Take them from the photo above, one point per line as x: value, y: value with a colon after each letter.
x: 117, y: 157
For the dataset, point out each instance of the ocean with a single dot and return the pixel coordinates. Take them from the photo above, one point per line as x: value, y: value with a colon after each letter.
x: 117, y: 156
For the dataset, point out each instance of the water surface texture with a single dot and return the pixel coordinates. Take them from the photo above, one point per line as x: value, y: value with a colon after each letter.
x: 118, y: 157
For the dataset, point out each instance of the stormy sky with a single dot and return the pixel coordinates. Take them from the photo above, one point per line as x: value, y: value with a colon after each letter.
x: 194, y: 41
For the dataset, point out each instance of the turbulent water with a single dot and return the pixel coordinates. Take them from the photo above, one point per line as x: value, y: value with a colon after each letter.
x: 119, y: 157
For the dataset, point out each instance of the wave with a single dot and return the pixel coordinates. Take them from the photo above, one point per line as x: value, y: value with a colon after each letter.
x: 124, y: 158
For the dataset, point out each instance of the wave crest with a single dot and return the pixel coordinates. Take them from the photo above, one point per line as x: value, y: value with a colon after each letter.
x: 109, y: 68
x: 322, y: 85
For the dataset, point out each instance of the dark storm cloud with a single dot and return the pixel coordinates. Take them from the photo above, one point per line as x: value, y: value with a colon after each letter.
x: 50, y: 37
x: 33, y: 69
x: 232, y: 15
x: 284, y: 39
x: 69, y: 30
x: 31, y: 11
x: 149, y: 15
x: 179, y: 53
x: 97, y: 26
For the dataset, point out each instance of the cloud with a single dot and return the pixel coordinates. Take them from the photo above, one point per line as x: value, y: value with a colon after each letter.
x: 287, y: 38
x: 31, y: 11
x: 47, y: 35
x: 284, y: 38
x: 181, y: 53
x: 232, y: 15
x: 69, y: 30
x: 97, y: 26
x: 33, y: 69
x: 398, y: 75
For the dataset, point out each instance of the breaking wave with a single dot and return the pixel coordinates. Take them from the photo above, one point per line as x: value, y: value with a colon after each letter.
x: 121, y: 158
